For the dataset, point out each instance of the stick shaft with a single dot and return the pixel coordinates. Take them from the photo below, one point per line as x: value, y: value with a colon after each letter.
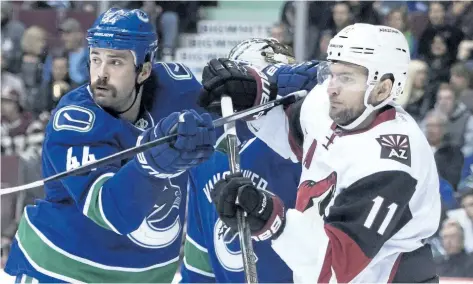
x: 128, y: 153
x: 246, y: 245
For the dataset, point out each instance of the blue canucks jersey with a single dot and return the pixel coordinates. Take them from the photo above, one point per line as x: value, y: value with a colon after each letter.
x: 212, y: 250
x: 113, y: 224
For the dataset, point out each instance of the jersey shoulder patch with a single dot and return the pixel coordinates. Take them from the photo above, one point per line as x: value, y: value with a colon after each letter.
x: 74, y: 118
x: 395, y: 147
x: 177, y: 71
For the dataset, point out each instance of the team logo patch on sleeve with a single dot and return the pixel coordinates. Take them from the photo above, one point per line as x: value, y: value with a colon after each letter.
x: 395, y: 147
x: 177, y: 71
x: 74, y: 118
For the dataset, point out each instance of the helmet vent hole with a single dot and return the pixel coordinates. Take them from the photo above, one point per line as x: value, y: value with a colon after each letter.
x: 376, y: 77
x: 362, y: 50
x: 339, y: 54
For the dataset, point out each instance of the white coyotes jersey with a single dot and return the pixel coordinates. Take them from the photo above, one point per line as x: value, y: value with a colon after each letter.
x: 366, y: 201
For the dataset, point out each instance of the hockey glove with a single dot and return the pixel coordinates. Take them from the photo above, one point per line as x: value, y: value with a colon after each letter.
x: 194, y: 144
x: 249, y: 87
x: 265, y: 211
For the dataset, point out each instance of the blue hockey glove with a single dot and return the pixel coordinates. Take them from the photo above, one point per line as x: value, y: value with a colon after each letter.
x: 293, y: 78
x: 265, y: 210
x: 194, y: 144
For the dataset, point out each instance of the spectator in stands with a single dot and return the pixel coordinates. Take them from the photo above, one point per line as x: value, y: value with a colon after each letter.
x: 439, y: 59
x: 397, y: 19
x: 465, y: 53
x: 167, y: 24
x: 9, y: 79
x: 319, y: 14
x: 279, y: 32
x: 170, y: 18
x: 73, y: 38
x: 460, y: 14
x: 60, y: 83
x: 460, y: 126
x: 342, y: 16
x: 460, y: 80
x: 448, y: 157
x: 316, y: 22
x: 21, y: 134
x: 33, y: 5
x: 364, y: 12
x: 34, y: 45
x: 466, y: 201
x: 74, y: 47
x: 415, y: 99
x: 324, y: 41
x: 437, y: 27
x: 456, y: 262
x: 12, y: 32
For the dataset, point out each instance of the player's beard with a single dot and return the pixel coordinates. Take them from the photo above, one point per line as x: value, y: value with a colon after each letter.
x: 344, y: 116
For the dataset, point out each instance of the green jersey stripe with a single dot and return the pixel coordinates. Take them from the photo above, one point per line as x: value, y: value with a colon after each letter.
x: 197, y: 258
x: 93, y: 203
x: 51, y: 260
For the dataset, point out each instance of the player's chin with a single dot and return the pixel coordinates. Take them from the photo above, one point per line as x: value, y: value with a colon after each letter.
x: 340, y: 117
x: 103, y: 100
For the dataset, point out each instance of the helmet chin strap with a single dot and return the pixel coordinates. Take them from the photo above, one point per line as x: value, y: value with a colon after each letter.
x: 368, y: 110
x: 138, y: 89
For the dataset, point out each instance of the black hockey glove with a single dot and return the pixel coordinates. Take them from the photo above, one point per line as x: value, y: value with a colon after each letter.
x: 249, y: 87
x: 265, y: 210
x: 225, y: 77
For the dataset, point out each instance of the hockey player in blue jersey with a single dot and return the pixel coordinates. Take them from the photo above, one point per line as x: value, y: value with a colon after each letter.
x: 122, y: 222
x: 212, y: 249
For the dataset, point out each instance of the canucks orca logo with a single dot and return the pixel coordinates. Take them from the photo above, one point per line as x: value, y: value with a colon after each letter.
x: 162, y: 226
x: 227, y: 247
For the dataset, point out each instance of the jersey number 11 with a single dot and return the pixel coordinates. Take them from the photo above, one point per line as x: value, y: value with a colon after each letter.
x: 378, y: 202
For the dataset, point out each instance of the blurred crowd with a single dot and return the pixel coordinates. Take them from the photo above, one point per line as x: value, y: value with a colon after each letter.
x: 39, y: 65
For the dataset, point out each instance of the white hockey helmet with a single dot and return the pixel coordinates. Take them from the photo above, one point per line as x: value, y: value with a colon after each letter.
x: 260, y: 52
x: 381, y: 50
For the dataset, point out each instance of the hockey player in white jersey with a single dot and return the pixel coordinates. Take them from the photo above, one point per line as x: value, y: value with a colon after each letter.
x: 369, y: 191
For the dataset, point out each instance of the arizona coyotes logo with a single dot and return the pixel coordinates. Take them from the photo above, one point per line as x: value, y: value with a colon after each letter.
x: 321, y: 192
x: 395, y: 147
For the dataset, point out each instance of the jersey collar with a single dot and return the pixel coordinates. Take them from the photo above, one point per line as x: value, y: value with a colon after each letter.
x: 387, y: 113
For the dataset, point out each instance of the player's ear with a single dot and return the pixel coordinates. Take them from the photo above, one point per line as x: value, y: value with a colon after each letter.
x: 145, y: 72
x: 384, y: 89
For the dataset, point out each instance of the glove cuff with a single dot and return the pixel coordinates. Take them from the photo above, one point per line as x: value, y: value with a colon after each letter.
x: 147, y: 166
x: 266, y: 90
x: 276, y: 222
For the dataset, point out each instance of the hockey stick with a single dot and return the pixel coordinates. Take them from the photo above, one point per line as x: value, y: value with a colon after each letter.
x: 128, y: 153
x: 246, y: 245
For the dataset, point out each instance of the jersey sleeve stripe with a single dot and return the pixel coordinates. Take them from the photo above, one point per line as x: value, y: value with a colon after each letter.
x: 394, y: 269
x: 196, y: 258
x: 196, y: 270
x: 346, y: 257
x: 295, y: 146
x: 194, y: 243
x: 93, y: 208
x: 102, y: 214
x: 39, y: 251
